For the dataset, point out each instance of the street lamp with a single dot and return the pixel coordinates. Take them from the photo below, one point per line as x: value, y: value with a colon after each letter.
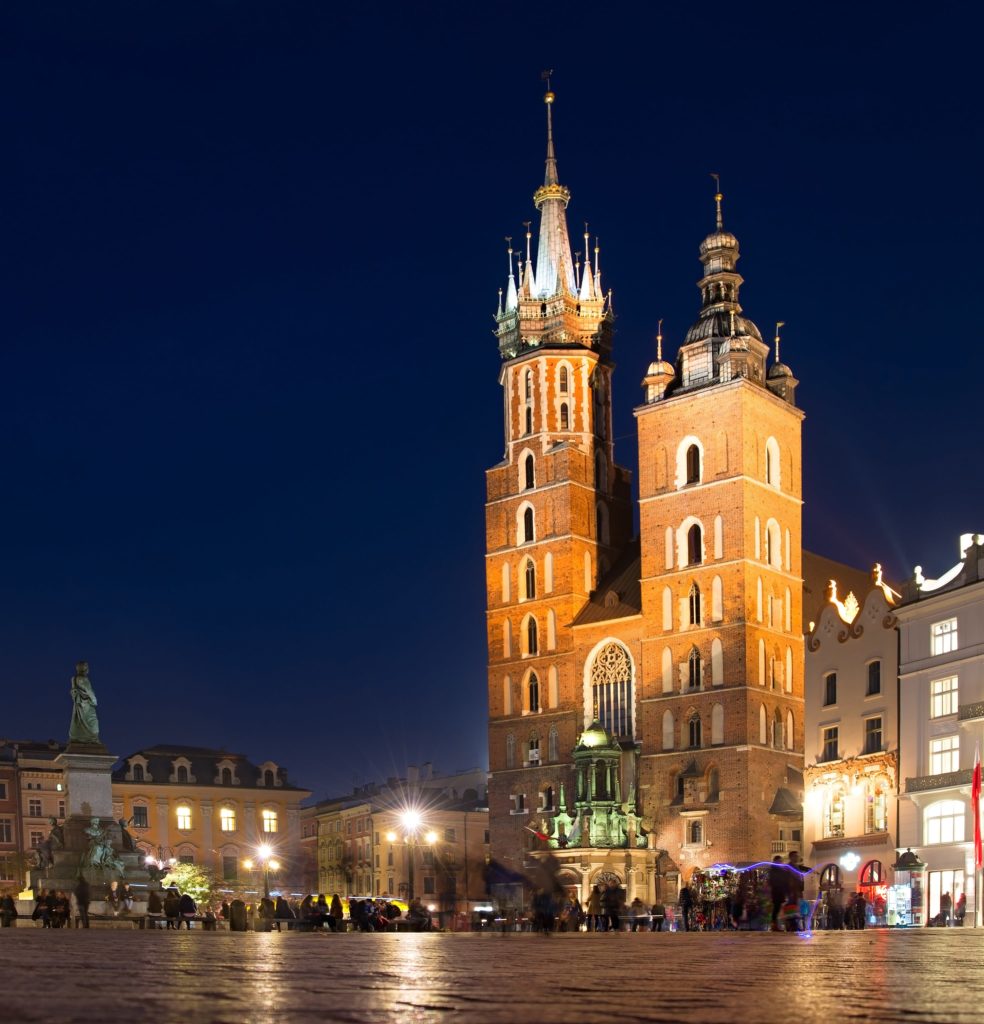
x: 411, y: 823
x: 264, y: 854
x: 158, y: 867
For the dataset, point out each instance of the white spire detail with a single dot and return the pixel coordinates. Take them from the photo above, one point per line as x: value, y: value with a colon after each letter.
x: 512, y: 300
x: 554, y: 266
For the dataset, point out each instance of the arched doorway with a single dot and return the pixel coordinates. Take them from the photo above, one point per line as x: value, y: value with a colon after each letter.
x: 872, y: 883
x: 830, y: 912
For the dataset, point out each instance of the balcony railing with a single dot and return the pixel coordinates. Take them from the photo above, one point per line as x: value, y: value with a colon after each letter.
x: 785, y: 846
x: 970, y: 712
x: 924, y: 783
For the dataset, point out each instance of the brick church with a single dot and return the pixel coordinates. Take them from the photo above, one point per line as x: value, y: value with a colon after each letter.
x: 645, y: 693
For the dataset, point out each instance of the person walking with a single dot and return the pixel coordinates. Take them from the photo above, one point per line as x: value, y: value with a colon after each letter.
x: 83, y: 897
x: 778, y: 886
x: 657, y: 917
x: 686, y: 905
x: 637, y: 915
x: 594, y: 910
x: 946, y: 905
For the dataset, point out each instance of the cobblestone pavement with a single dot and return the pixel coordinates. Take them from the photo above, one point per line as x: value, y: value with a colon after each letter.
x: 193, y: 977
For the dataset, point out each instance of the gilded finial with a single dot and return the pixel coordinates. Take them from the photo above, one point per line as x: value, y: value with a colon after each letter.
x: 529, y: 235
x: 510, y: 250
x: 659, y: 340
x: 545, y: 76
x: 779, y: 323
x: 717, y: 198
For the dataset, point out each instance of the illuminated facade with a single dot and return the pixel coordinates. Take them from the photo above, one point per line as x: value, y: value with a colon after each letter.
x: 941, y: 669
x: 851, y: 748
x: 211, y: 807
x: 677, y: 642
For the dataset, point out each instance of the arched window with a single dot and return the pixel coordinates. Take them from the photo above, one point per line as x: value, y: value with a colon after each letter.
x: 532, y: 646
x: 611, y: 689
x: 506, y: 639
x: 713, y: 784
x: 667, y: 609
x: 534, y: 693
x: 695, y: 832
x: 533, y: 751
x: 226, y: 776
x: 876, y: 805
x: 528, y: 385
x: 667, y: 670
x: 268, y: 779
x: 717, y: 662
x: 694, y: 546
x: 529, y: 419
x: 773, y: 544
x: 510, y: 751
x: 138, y: 773
x: 601, y: 471
x: 717, y: 599
x: 693, y: 464
x: 528, y: 468
x: 181, y: 774
x: 871, y: 874
x: 694, y: 730
x: 717, y: 724
x: 777, y: 731
x: 552, y: 744
x: 507, y: 696
x: 553, y: 687
x: 830, y: 878
x: 772, y: 462
x: 564, y: 385
x: 528, y: 533
x: 548, y: 798
x: 694, y: 669
x: 833, y: 812
x: 667, y: 730
x: 694, y: 605
x: 763, y: 726
x: 790, y: 732
x: 565, y: 417
x: 530, y: 580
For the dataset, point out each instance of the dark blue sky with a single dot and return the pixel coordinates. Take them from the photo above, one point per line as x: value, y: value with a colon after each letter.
x: 250, y: 254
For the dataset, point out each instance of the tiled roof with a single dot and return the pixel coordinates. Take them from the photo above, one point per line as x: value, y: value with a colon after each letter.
x: 619, y: 592
x: 204, y: 763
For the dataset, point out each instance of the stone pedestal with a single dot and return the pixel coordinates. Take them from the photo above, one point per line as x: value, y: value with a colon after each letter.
x: 88, y: 780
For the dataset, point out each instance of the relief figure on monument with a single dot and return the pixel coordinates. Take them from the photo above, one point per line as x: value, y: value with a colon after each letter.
x: 100, y: 854
x: 85, y: 723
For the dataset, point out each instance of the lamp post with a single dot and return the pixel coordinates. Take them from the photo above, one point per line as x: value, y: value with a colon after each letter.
x: 264, y: 854
x: 411, y: 826
x: 158, y: 867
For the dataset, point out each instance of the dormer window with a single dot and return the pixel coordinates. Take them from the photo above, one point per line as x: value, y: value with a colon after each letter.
x: 137, y: 773
x: 181, y: 773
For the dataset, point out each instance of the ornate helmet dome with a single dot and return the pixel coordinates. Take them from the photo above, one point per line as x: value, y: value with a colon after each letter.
x: 596, y: 735
x: 779, y: 370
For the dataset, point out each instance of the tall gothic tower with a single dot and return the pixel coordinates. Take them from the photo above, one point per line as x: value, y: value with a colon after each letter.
x: 720, y: 493
x: 557, y: 512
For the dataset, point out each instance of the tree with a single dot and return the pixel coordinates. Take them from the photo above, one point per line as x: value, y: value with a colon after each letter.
x: 197, y: 881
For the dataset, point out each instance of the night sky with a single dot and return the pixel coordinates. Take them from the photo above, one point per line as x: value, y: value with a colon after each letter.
x: 250, y: 256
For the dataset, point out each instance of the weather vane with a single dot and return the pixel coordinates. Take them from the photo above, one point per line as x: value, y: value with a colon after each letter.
x: 779, y: 323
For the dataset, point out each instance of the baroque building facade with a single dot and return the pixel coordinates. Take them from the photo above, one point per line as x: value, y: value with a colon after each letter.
x: 677, y: 644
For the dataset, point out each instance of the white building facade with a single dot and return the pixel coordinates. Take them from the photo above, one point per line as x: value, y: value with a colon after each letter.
x: 851, y: 752
x: 941, y: 671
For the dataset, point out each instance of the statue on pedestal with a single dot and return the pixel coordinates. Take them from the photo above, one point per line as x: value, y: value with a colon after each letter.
x: 85, y: 724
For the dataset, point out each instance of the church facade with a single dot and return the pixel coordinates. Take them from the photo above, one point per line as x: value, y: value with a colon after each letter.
x: 645, y: 693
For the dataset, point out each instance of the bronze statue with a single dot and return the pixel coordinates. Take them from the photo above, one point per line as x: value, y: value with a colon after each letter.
x: 56, y: 834
x: 100, y: 854
x: 129, y: 845
x: 85, y: 723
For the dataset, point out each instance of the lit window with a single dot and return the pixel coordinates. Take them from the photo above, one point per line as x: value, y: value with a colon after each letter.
x: 184, y: 817
x: 269, y: 821
x: 829, y: 739
x: 227, y: 819
x: 833, y: 812
x: 874, y: 679
x: 944, y: 755
x: 944, y: 822
x: 944, y: 635
x: 876, y: 807
x: 611, y: 689
x: 872, y: 735
x: 943, y: 697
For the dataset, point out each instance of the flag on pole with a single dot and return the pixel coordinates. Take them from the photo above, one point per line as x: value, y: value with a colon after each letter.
x: 537, y: 833
x: 975, y: 792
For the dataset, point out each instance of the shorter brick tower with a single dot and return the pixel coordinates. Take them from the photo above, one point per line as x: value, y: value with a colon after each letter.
x: 720, y: 490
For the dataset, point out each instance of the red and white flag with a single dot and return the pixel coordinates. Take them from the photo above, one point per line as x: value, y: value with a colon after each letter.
x: 537, y: 833
x: 975, y: 792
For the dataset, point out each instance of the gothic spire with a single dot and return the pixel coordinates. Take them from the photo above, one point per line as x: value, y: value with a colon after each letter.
x: 554, y: 265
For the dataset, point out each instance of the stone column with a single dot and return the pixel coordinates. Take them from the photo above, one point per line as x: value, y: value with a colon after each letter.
x: 207, y: 854
x: 163, y: 823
